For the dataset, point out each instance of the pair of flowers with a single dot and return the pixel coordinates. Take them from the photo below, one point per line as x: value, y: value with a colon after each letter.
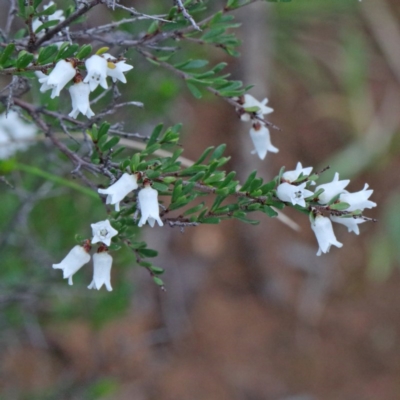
x: 259, y: 133
x: 147, y: 198
x: 332, y: 192
x: 98, y: 67
x: 102, y: 261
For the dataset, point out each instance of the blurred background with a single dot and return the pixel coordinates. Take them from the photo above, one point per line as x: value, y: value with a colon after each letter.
x: 250, y: 312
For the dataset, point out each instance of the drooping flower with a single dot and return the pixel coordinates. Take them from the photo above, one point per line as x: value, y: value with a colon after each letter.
x: 261, y: 138
x: 149, y: 208
x: 291, y: 176
x: 15, y: 134
x: 116, y: 192
x: 80, y: 100
x: 116, y: 69
x: 96, y: 67
x: 322, y: 227
x: 249, y: 102
x: 293, y: 194
x: 331, y: 189
x: 73, y: 261
x: 62, y: 73
x: 103, y: 232
x: 350, y: 222
x: 102, y: 263
x: 358, y: 200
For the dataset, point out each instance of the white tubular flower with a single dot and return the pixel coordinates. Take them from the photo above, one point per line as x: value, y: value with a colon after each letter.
x: 96, y: 72
x: 291, y: 176
x: 351, y: 223
x: 62, y: 73
x: 72, y: 262
x: 249, y: 101
x: 116, y: 69
x: 331, y: 189
x: 80, y: 100
x: 15, y: 134
x: 116, y: 192
x: 103, y: 232
x: 322, y: 227
x: 261, y: 138
x: 358, y: 200
x: 102, y: 263
x: 293, y: 194
x: 148, y: 204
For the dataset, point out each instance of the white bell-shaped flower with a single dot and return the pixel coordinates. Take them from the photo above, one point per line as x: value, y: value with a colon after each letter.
x: 293, y: 194
x: 103, y: 232
x: 358, y: 200
x: 15, y: 134
x: 96, y: 67
x: 331, y: 189
x: 116, y: 192
x: 116, y: 69
x: 351, y: 223
x: 291, y: 176
x: 62, y: 73
x: 249, y: 101
x: 72, y: 262
x: 80, y: 100
x: 322, y: 227
x: 102, y: 263
x: 149, y: 208
x: 261, y: 138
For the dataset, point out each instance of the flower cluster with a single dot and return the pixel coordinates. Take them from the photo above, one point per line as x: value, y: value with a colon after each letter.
x: 147, y: 198
x: 98, y: 68
x: 254, y: 111
x: 103, y: 232
x: 15, y: 134
x: 343, y: 207
x: 102, y: 261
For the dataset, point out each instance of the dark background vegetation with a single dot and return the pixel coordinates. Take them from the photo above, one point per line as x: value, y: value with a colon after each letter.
x: 250, y: 313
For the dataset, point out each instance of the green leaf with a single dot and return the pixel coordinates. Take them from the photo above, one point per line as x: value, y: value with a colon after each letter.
x: 47, y: 11
x: 110, y: 144
x: 135, y: 161
x: 158, y: 281
x: 194, y: 209
x: 7, y: 53
x: 67, y: 51
x: 210, y: 220
x: 194, y: 90
x: 84, y: 51
x: 248, y: 182
x: 206, y: 152
x: 339, y: 206
x: 160, y: 187
x: 24, y: 59
x: 247, y: 220
x: 22, y: 8
x: 148, y: 253
x: 157, y: 270
x: 36, y: 3
x: 218, y: 152
x: 103, y: 130
x: 47, y: 54
x: 155, y: 134
x: 46, y: 25
x: 193, y: 64
x: 269, y: 211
